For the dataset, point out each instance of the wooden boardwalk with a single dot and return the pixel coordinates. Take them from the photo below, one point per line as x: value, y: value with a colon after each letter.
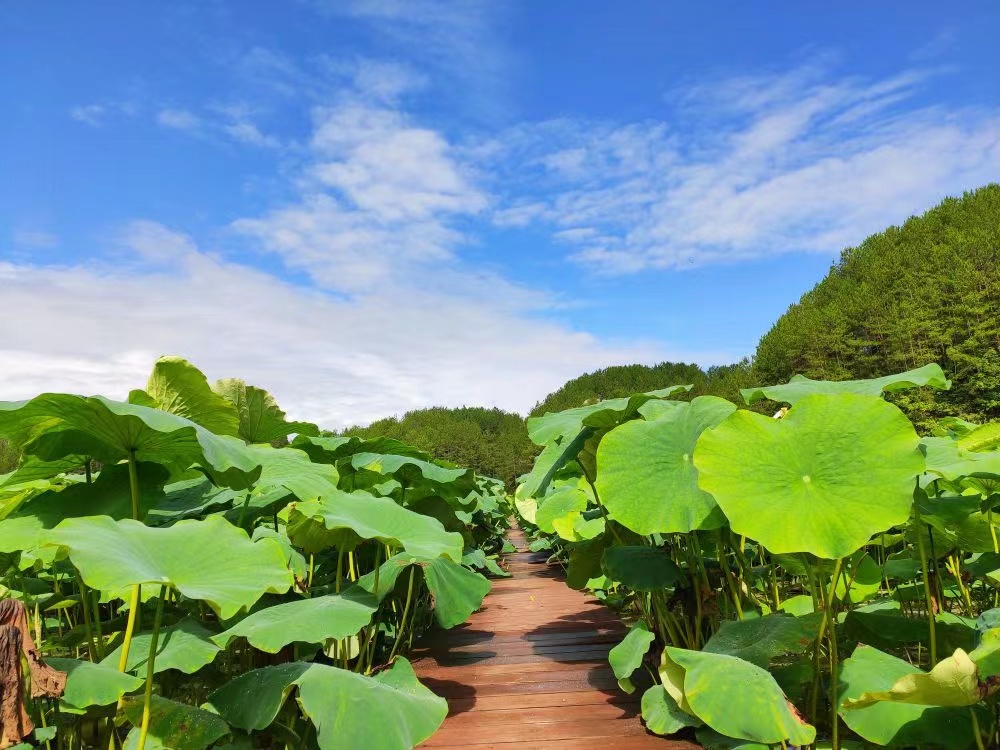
x: 530, y: 670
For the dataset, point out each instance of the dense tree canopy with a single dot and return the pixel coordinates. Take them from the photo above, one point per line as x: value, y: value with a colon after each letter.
x: 927, y: 291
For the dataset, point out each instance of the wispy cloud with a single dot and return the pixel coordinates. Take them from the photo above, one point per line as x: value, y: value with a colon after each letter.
x: 178, y: 119
x: 89, y: 114
x: 748, y: 168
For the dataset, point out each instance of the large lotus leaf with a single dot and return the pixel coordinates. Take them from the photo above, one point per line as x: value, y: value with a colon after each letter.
x: 186, y: 647
x: 89, y: 684
x: 294, y: 559
x: 947, y: 459
x: 316, y: 524
x: 642, y: 568
x: 56, y: 425
x: 562, y: 502
x: 896, y: 724
x: 456, y: 591
x: 390, y: 711
x: 109, y: 495
x: 736, y: 698
x: 661, y: 714
x: 261, y: 420
x: 304, y: 621
x: 210, y: 560
x: 411, y: 468
x: 189, y: 498
x: 585, y: 562
x: 288, y: 470
x: 833, y: 472
x: 952, y: 682
x: 33, y: 469
x: 173, y: 725
x: 800, y: 386
x: 759, y: 640
x: 553, y: 457
x: 574, y: 527
x: 178, y: 387
x: 604, y: 414
x: 984, y: 438
x: 645, y: 476
x: 627, y: 656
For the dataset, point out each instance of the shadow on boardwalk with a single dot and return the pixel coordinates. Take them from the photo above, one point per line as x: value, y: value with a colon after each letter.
x: 530, y: 669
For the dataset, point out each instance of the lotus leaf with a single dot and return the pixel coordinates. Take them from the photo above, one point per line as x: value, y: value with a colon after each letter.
x: 562, y: 502
x: 661, y: 714
x: 186, y: 647
x: 642, y: 568
x: 645, y: 475
x: 896, y: 724
x: 55, y: 425
x: 627, y: 656
x: 952, y: 682
x: 800, y: 386
x: 305, y: 621
x: 389, y: 711
x: 317, y: 524
x: 210, y: 560
x: 833, y: 472
x: 174, y: 726
x: 89, y: 684
x: 261, y: 420
x: 759, y: 640
x: 178, y: 387
x: 733, y: 697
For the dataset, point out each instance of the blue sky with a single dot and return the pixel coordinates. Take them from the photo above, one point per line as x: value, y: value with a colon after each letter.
x: 370, y: 206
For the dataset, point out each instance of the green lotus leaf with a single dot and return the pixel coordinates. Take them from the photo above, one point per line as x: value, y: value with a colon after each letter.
x: 645, y: 476
x: 173, y: 725
x: 304, y: 621
x: 178, y: 387
x: 294, y: 559
x: 55, y: 425
x: 317, y: 524
x: 456, y: 591
x: 261, y: 420
x: 553, y: 457
x: 527, y: 508
x: 627, y: 656
x: 709, y: 739
x: 661, y: 714
x: 209, y: 560
x: 952, y: 682
x: 291, y: 471
x: 478, y: 559
x: 986, y: 655
x: 983, y: 438
x: 109, y: 495
x: 759, y: 640
x: 389, y: 711
x: 575, y: 528
x: 947, y: 459
x: 884, y: 625
x: 658, y: 408
x: 89, y: 684
x: 869, y: 670
x: 585, y: 562
x: 411, y: 468
x: 734, y: 697
x: 188, y: 498
x: 562, y: 502
x: 642, y: 568
x: 833, y: 472
x: 186, y: 647
x: 604, y: 414
x: 800, y: 386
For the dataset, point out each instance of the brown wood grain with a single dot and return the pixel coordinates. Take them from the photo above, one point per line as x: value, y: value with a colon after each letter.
x: 530, y: 669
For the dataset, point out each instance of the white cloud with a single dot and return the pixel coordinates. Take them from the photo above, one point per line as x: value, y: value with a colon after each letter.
x: 91, y: 114
x: 380, y: 199
x: 749, y: 168
x: 329, y: 359
x: 178, y: 119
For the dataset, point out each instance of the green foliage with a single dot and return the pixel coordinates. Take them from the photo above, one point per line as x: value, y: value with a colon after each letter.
x: 928, y: 290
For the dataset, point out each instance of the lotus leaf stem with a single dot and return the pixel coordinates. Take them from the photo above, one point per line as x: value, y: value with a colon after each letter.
x: 147, y: 698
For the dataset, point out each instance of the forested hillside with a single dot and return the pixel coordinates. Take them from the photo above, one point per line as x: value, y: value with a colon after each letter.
x: 927, y: 291
x: 492, y: 441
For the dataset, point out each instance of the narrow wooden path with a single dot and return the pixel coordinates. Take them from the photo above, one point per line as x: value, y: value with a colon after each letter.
x: 530, y: 669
